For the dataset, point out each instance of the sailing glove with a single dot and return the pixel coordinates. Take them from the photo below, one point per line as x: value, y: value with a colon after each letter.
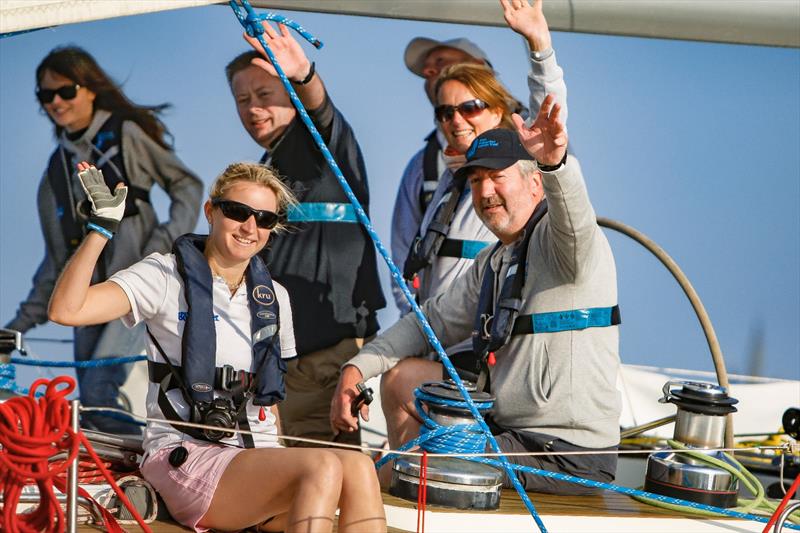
x: 107, y: 207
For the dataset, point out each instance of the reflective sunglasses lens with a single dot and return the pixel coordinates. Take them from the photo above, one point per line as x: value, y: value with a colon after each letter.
x: 235, y: 211
x: 67, y: 92
x: 471, y: 108
x: 45, y: 96
x: 444, y: 113
x: 266, y: 219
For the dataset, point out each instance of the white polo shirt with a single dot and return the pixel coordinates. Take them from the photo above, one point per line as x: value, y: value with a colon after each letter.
x: 155, y: 291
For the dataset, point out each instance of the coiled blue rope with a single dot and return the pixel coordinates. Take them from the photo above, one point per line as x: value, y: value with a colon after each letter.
x: 251, y: 21
x: 435, y: 438
x: 468, y: 439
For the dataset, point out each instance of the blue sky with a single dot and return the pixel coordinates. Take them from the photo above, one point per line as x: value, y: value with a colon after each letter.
x: 695, y: 144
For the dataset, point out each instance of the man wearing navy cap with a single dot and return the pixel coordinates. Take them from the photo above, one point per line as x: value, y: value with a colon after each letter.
x: 541, y: 308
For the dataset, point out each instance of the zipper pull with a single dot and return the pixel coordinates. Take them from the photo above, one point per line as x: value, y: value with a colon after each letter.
x: 415, y: 282
x: 262, y: 414
x: 491, y: 359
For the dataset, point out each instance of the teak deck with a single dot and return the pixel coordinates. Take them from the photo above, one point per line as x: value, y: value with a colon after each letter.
x: 607, y: 504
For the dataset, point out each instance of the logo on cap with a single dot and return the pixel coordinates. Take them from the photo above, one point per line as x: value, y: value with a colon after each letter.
x: 481, y: 143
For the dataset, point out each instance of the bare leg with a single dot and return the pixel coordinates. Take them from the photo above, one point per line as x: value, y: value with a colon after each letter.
x: 360, y: 504
x: 258, y: 484
x: 397, y: 397
x: 397, y: 401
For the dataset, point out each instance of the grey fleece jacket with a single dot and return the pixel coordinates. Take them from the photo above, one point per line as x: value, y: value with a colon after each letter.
x: 561, y: 384
x: 146, y: 163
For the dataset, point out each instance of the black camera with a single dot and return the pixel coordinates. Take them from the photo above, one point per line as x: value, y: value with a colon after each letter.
x: 219, y: 413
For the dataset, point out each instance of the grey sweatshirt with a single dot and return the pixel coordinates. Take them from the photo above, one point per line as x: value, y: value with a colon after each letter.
x: 146, y: 163
x: 561, y: 384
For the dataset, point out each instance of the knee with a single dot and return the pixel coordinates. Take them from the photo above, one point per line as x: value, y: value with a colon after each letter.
x: 325, y: 469
x: 397, y: 385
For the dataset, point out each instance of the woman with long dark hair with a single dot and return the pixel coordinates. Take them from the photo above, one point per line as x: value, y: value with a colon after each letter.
x: 94, y: 121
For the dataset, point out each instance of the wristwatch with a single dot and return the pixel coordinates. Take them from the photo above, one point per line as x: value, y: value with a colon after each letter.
x: 541, y: 55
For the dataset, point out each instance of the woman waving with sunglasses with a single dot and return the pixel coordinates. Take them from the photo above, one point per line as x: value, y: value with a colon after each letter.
x: 219, y: 332
x: 94, y: 121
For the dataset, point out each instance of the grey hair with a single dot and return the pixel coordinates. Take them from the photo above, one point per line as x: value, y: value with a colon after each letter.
x: 528, y: 168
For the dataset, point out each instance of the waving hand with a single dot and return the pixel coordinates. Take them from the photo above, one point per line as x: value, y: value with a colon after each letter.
x: 287, y: 50
x: 545, y: 139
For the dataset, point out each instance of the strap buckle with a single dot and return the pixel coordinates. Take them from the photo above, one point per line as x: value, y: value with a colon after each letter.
x: 230, y: 378
x: 486, y: 326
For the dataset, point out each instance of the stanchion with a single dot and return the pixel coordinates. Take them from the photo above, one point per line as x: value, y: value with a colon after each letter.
x: 72, y: 479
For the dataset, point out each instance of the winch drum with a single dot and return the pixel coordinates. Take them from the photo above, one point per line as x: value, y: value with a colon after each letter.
x: 700, y: 425
x: 450, y: 481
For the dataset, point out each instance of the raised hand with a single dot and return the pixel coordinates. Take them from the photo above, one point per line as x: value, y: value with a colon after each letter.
x: 107, y: 208
x: 545, y: 139
x: 287, y: 50
x: 528, y: 20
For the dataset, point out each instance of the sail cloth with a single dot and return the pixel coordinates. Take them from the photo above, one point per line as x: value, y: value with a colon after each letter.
x: 26, y: 15
x: 766, y: 22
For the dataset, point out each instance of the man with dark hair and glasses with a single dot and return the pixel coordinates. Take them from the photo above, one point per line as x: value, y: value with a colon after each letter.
x: 327, y: 261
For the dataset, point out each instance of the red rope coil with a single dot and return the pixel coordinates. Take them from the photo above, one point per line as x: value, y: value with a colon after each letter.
x: 32, y: 430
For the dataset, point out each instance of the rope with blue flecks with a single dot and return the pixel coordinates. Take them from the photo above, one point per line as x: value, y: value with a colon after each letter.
x: 251, y: 21
x: 468, y: 439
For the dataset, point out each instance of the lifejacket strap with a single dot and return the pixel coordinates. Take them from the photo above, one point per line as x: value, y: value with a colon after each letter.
x: 571, y: 320
x: 322, y: 212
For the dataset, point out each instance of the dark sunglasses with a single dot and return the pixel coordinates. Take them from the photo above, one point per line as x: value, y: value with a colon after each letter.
x: 468, y: 109
x: 67, y: 92
x: 241, y: 212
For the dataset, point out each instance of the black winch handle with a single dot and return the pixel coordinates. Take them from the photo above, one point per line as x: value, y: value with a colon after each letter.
x: 364, y: 398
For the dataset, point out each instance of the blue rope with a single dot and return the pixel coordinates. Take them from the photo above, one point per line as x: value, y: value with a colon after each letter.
x: 252, y: 24
x: 436, y: 438
x: 8, y: 379
x: 630, y: 492
x: 106, y: 361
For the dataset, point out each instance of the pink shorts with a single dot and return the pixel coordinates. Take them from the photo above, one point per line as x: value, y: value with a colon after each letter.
x: 188, y: 489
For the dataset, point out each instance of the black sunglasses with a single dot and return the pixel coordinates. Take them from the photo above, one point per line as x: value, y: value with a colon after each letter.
x: 67, y: 92
x: 468, y: 109
x: 241, y: 212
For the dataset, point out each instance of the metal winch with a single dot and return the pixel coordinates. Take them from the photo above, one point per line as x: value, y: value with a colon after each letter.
x: 699, y: 424
x: 450, y: 481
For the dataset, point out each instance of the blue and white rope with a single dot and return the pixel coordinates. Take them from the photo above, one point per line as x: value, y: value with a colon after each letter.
x: 252, y: 24
x: 92, y: 363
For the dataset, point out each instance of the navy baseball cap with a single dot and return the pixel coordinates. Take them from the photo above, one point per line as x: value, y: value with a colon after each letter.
x: 495, y: 149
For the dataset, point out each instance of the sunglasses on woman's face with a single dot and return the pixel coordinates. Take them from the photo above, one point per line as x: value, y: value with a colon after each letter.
x: 241, y: 212
x: 468, y: 109
x: 67, y: 92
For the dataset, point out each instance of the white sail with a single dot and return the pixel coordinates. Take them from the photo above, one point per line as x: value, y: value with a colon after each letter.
x: 25, y: 15
x: 762, y: 22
